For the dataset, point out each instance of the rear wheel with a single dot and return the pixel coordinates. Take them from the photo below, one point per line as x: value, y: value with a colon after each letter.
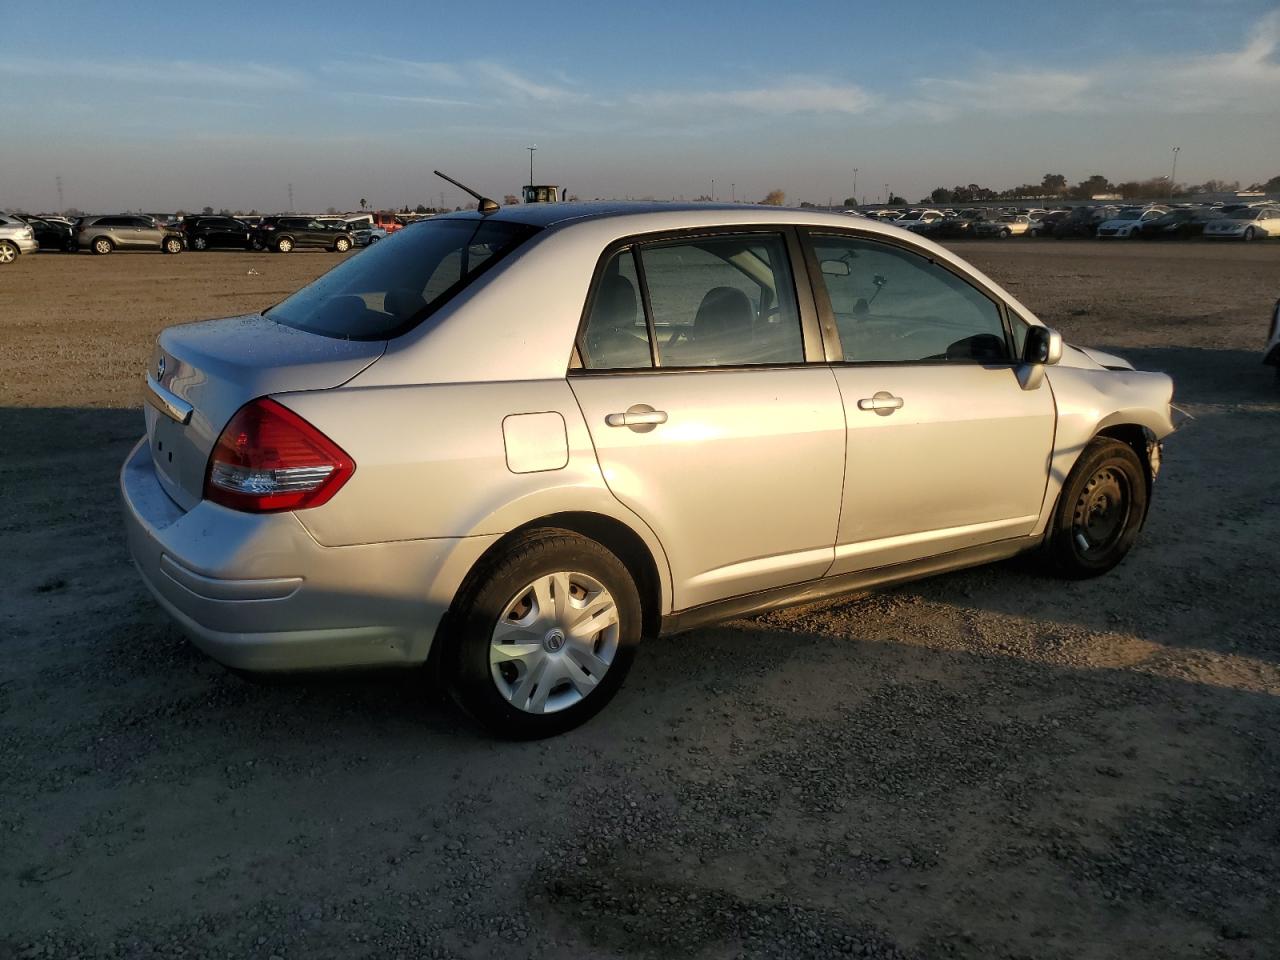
x: 284, y: 244
x: 102, y: 246
x: 543, y: 635
x: 1099, y: 512
x: 172, y: 245
x: 1005, y: 234
x: 199, y: 243
x: 8, y: 251
x: 1250, y: 234
x: 342, y: 244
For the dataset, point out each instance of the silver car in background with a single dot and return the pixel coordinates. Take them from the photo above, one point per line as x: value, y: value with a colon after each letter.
x: 515, y: 443
x: 16, y: 238
x: 102, y: 235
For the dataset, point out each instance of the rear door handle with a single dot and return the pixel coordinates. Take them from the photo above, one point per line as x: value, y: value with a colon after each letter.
x: 883, y: 403
x: 639, y: 416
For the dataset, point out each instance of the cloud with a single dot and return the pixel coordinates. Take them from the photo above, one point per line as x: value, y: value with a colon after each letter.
x: 512, y: 83
x: 786, y: 96
x: 1246, y: 80
x: 245, y: 76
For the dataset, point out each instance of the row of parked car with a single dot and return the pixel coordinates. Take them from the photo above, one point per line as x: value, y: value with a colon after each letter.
x: 20, y: 234
x: 1238, y: 221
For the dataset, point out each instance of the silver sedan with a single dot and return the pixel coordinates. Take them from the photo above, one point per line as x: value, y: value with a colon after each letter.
x: 516, y: 442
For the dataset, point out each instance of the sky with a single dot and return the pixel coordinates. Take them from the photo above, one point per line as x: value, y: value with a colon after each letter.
x: 170, y: 106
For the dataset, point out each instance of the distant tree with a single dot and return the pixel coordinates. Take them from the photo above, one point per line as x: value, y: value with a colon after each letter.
x: 207, y: 211
x: 73, y: 212
x: 702, y: 198
x: 331, y: 210
x: 940, y: 195
x: 510, y: 199
x: 1054, y: 184
x: 224, y: 212
x: 895, y: 200
x: 253, y: 212
x: 1272, y: 185
x: 421, y: 209
x: 1091, y: 187
x: 363, y: 203
x: 774, y: 198
x: 850, y: 201
x: 573, y: 198
x: 806, y: 205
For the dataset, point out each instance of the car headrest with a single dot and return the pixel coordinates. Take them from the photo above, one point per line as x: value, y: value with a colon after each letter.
x: 724, y: 311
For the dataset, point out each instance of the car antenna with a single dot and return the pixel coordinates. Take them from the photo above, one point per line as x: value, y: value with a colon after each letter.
x: 486, y: 205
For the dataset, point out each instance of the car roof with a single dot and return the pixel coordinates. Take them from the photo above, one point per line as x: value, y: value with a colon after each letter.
x: 667, y: 216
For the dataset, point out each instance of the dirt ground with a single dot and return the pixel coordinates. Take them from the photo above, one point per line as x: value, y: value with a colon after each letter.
x: 990, y: 764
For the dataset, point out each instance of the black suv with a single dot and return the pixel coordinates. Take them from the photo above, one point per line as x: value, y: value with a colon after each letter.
x: 205, y: 233
x: 285, y: 233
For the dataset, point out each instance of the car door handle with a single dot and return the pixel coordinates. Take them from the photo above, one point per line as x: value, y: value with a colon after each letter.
x: 883, y: 403
x: 639, y: 415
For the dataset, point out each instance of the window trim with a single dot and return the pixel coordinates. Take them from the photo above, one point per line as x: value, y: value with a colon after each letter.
x: 811, y: 339
x: 831, y: 333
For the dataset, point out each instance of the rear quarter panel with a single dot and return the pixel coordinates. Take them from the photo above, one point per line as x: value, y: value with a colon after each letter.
x: 432, y: 461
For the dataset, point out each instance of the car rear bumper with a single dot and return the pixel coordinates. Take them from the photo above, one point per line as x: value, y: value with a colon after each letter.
x: 256, y: 592
x: 24, y: 244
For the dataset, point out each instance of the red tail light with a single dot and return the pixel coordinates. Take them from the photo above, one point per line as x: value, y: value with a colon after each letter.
x: 269, y: 459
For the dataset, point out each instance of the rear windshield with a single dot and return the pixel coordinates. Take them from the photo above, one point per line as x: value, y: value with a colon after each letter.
x: 394, y: 285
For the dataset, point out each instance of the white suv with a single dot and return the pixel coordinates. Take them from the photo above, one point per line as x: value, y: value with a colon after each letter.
x: 16, y: 237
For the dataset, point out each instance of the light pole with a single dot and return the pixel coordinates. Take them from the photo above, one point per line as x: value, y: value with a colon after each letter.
x: 713, y: 189
x: 887, y: 195
x: 1174, y: 171
x: 733, y: 193
x: 531, y: 149
x: 855, y: 186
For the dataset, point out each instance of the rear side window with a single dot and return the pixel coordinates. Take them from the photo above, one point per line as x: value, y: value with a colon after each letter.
x: 395, y: 285
x: 711, y: 302
x: 616, y: 335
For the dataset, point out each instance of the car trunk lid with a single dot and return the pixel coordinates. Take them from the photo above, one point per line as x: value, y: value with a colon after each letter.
x: 202, y: 373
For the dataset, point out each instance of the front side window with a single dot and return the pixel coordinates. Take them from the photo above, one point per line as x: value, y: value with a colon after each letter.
x: 895, y: 306
x: 392, y: 287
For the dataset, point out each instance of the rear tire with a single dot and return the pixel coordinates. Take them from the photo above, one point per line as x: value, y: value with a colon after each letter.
x: 284, y: 245
x: 527, y: 663
x: 1005, y: 234
x: 1250, y: 234
x: 102, y: 246
x: 1099, y: 512
x: 199, y: 243
x: 342, y: 245
x: 9, y: 252
x: 171, y: 245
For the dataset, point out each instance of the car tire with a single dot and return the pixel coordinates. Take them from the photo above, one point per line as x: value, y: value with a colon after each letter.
x: 342, y: 245
x: 284, y: 244
x: 497, y: 684
x: 171, y: 245
x: 9, y: 252
x: 373, y: 240
x: 1005, y: 234
x: 102, y: 246
x: 1250, y: 235
x: 1099, y: 511
x: 199, y: 243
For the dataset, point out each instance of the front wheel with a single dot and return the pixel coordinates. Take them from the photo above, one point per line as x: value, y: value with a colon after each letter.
x: 284, y: 245
x: 543, y: 635
x: 172, y: 245
x: 342, y: 244
x: 1099, y: 512
x: 1005, y: 234
x: 199, y: 243
x: 1250, y: 234
x: 102, y: 246
x: 8, y: 251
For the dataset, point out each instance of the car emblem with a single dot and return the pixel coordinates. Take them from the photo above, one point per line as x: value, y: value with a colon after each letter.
x: 160, y: 369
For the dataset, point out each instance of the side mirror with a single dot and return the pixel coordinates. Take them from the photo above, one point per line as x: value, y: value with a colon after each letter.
x: 1043, y: 346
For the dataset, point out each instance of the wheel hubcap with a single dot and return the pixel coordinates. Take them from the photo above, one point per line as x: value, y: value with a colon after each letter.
x: 1102, y: 512
x: 554, y: 642
x: 6, y: 254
